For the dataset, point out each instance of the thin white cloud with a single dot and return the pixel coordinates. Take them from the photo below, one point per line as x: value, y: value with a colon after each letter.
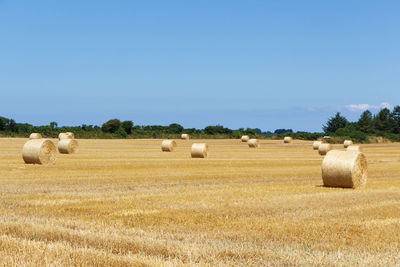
x: 386, y: 105
x: 363, y: 107
x: 360, y: 107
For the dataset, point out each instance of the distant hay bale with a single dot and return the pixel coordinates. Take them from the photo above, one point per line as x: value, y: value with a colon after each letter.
x: 39, y: 151
x: 316, y: 145
x: 67, y: 146
x: 287, y: 139
x: 326, y: 137
x: 344, y: 169
x: 71, y: 134
x: 253, y: 143
x: 185, y: 137
x: 323, y: 149
x: 347, y: 143
x: 354, y: 149
x: 168, y: 145
x: 199, y: 150
x: 245, y: 138
x: 35, y: 136
x: 67, y: 135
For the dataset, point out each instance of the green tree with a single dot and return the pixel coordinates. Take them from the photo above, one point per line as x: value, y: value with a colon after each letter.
x: 175, y: 128
x: 53, y: 125
x: 3, y: 123
x: 395, y: 116
x: 382, y: 121
x: 342, y: 132
x: 335, y: 123
x: 283, y: 131
x: 121, y: 132
x: 111, y: 126
x: 12, y: 126
x: 24, y: 128
x: 251, y: 132
x: 127, y: 126
x: 218, y: 129
x: 365, y: 123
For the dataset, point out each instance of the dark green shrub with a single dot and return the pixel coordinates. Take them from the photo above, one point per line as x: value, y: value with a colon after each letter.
x: 127, y: 126
x: 358, y: 136
x: 120, y: 132
x: 111, y: 126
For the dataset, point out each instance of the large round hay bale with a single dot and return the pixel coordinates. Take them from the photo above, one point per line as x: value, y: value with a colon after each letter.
x: 287, y: 139
x: 168, y: 145
x: 185, y: 137
x: 245, y: 138
x: 353, y: 149
x: 67, y: 146
x: 199, y: 150
x: 68, y: 135
x: 35, y: 136
x: 316, y: 145
x: 39, y: 151
x: 323, y: 149
x: 344, y: 169
x: 347, y: 143
x: 253, y: 143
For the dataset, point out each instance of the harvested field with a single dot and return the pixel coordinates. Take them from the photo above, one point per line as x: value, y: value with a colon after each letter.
x: 125, y: 202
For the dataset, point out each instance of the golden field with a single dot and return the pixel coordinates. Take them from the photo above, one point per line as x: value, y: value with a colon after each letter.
x: 126, y: 203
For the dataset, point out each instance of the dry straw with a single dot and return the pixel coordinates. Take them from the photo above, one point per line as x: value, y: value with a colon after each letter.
x: 67, y: 146
x: 347, y: 143
x: 354, y: 149
x: 287, y: 139
x: 245, y: 138
x: 71, y: 134
x: 35, y: 136
x: 253, y: 143
x: 67, y: 135
x: 185, y: 137
x: 344, y: 169
x: 316, y: 145
x: 324, y: 148
x: 39, y: 151
x: 199, y: 150
x: 168, y: 145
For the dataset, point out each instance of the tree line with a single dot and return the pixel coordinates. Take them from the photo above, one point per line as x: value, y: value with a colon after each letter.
x: 385, y: 123
x: 123, y: 129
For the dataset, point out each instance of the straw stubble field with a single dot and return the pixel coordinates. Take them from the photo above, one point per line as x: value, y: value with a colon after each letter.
x: 124, y: 202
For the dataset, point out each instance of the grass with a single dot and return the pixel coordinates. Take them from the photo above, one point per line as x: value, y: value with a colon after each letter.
x: 124, y: 203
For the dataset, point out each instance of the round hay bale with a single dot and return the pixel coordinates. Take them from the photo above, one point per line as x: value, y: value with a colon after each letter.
x: 347, y: 143
x: 287, y: 139
x: 323, y: 149
x: 185, y: 137
x: 354, y: 148
x: 68, y: 135
x: 71, y: 134
x: 168, y: 145
x: 344, y: 169
x: 39, y: 151
x: 67, y: 146
x: 316, y: 145
x: 326, y: 137
x: 253, y: 143
x: 35, y: 136
x: 199, y: 150
x: 245, y: 138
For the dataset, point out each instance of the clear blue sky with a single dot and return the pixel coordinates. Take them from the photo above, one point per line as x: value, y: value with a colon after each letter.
x: 265, y: 64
